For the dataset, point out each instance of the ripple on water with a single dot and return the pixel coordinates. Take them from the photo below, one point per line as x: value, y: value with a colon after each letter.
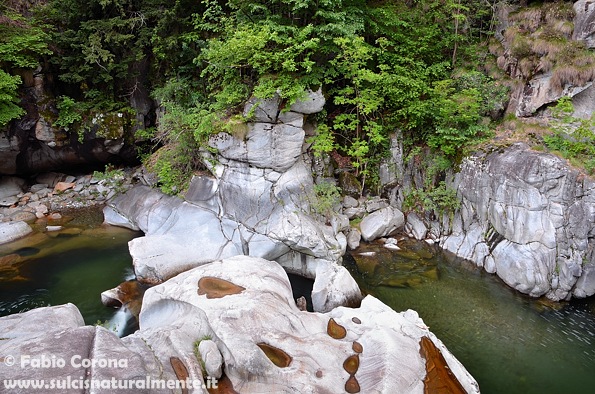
x: 509, y: 342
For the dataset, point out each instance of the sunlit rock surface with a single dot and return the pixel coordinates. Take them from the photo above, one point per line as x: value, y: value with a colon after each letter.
x: 268, y: 345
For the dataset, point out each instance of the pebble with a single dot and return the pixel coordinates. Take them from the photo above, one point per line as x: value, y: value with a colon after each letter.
x: 39, y: 201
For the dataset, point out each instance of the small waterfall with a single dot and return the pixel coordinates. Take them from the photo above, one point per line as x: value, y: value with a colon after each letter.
x: 129, y: 274
x: 118, y: 323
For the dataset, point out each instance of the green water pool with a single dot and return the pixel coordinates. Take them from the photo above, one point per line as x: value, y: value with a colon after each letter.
x: 509, y: 342
x: 73, y: 265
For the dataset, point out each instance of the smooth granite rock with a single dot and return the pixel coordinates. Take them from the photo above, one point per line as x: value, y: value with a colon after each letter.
x: 381, y: 223
x: 529, y: 218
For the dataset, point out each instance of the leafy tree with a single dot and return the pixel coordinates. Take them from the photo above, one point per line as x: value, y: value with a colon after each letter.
x: 8, y: 98
x: 21, y: 46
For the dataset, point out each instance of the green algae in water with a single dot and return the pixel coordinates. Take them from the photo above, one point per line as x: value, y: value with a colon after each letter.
x: 509, y: 342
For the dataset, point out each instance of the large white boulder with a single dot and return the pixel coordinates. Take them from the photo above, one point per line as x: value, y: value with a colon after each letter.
x: 381, y: 223
x: 10, y: 231
x: 268, y: 345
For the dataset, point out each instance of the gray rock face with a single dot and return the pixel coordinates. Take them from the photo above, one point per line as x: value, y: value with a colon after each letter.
x: 415, y: 226
x: 583, y: 103
x: 313, y: 103
x: 267, y: 344
x: 529, y: 218
x: 10, y: 186
x: 257, y: 205
x: 180, y: 235
x: 584, y: 22
x: 265, y: 145
x: 263, y: 110
x: 381, y: 223
x: 539, y: 92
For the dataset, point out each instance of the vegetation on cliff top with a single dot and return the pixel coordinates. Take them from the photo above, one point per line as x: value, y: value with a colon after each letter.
x: 414, y: 67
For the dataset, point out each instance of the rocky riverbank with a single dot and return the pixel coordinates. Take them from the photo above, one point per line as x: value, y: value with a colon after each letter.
x: 221, y: 304
x: 38, y: 202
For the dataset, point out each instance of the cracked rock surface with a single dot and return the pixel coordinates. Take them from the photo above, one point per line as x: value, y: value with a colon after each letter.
x: 256, y: 204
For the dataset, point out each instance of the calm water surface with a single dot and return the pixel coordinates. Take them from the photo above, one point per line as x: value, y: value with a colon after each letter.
x: 73, y: 265
x: 510, y: 343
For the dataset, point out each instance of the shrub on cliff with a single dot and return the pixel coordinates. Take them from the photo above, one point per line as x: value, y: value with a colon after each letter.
x: 21, y: 46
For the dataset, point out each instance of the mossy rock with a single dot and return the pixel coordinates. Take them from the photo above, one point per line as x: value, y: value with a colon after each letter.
x: 350, y: 185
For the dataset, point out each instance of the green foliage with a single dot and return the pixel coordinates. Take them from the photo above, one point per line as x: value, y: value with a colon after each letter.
x: 21, y: 46
x: 441, y: 199
x: 326, y: 196
x: 383, y: 66
x: 324, y: 141
x: 69, y: 112
x: 8, y: 98
x: 174, y: 165
x: 434, y: 195
x: 572, y: 138
x: 562, y: 111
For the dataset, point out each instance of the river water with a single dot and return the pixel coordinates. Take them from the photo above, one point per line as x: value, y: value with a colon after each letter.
x: 509, y: 342
x: 73, y: 265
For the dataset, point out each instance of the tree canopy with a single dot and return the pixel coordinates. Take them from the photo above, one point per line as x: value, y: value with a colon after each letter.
x: 383, y: 65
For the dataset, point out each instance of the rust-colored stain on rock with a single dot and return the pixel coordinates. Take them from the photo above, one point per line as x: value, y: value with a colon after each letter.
x: 352, y: 385
x: 224, y: 386
x: 335, y: 330
x: 439, y: 378
x: 217, y: 287
x: 180, y: 370
x: 357, y: 347
x: 276, y: 355
x: 351, y: 364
